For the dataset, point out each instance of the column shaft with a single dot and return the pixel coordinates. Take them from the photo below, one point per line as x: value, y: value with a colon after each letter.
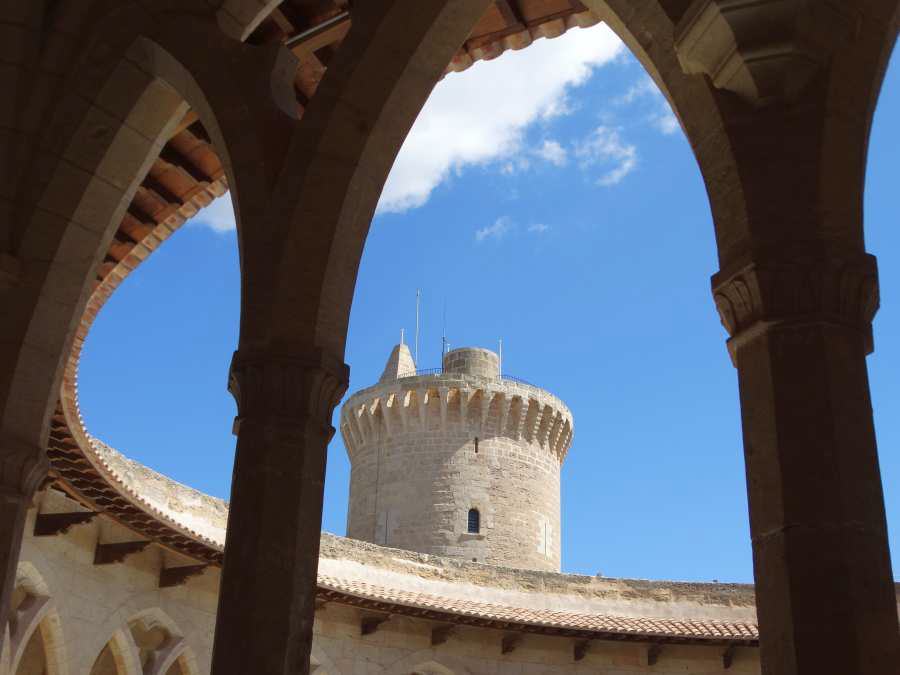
x: 267, y: 595
x: 825, y: 594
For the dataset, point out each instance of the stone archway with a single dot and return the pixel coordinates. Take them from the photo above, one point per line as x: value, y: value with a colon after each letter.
x: 125, y: 95
x: 79, y: 201
x: 788, y: 219
x: 782, y: 148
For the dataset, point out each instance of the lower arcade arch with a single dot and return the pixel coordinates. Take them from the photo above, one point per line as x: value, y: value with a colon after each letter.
x: 148, y: 644
x: 33, y: 643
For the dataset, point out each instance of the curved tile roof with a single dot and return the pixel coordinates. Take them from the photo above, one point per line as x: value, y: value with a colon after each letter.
x: 548, y: 621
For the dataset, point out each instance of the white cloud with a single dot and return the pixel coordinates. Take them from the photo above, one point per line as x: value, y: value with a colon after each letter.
x: 643, y: 87
x: 615, y: 176
x: 666, y: 122
x: 605, y: 147
x: 663, y: 119
x: 552, y: 152
x: 496, y: 231
x: 549, y: 151
x: 218, y: 216
x: 481, y: 115
x: 538, y: 228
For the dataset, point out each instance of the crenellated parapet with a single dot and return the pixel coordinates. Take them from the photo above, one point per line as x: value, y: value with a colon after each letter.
x: 454, y: 402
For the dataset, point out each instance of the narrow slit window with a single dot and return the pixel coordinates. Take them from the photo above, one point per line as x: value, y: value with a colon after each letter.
x: 474, y: 521
x: 476, y: 445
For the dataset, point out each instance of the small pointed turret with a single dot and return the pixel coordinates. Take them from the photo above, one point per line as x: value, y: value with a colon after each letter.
x: 399, y: 364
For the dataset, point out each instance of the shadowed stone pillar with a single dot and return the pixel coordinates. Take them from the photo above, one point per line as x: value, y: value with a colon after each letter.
x: 795, y: 83
x: 283, y: 428
x: 801, y: 329
x: 21, y: 471
x: 305, y: 202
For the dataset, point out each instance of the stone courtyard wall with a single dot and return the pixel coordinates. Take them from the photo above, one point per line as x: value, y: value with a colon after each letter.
x: 99, y: 617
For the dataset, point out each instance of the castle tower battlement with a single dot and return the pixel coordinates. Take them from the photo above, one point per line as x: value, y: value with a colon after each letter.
x: 458, y: 462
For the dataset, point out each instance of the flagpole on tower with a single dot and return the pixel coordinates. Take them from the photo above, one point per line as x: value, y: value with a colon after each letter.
x: 418, y: 296
x: 444, y: 334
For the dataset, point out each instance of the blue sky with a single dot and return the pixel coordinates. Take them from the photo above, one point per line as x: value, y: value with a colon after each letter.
x: 563, y: 212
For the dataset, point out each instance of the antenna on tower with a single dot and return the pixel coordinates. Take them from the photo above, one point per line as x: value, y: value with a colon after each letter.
x: 444, y: 332
x: 418, y: 297
x: 500, y: 359
x: 401, y: 336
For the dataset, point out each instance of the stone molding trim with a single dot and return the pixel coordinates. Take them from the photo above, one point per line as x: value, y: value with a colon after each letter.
x: 287, y: 389
x: 763, y: 50
x: 841, y: 291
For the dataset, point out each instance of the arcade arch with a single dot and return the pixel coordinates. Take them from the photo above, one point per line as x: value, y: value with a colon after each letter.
x: 148, y: 644
x: 796, y: 290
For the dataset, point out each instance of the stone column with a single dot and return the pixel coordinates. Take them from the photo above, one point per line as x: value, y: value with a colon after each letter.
x: 801, y: 329
x: 21, y: 471
x: 267, y: 596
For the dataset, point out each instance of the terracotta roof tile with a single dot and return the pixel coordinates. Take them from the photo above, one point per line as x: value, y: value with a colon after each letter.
x: 686, y: 629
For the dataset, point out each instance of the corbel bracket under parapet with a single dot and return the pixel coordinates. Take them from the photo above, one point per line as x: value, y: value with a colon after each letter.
x: 176, y: 576
x: 580, y: 649
x: 51, y: 524
x: 440, y: 634
x: 369, y: 623
x: 107, y: 554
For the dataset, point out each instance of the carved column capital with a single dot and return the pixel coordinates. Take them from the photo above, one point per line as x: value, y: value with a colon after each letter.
x: 763, y: 50
x: 22, y: 468
x: 287, y: 390
x: 763, y: 294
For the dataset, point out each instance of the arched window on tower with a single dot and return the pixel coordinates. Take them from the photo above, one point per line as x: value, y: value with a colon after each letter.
x: 474, y: 521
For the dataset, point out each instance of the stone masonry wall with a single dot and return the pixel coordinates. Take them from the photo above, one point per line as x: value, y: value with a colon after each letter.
x: 416, y: 470
x: 98, y: 617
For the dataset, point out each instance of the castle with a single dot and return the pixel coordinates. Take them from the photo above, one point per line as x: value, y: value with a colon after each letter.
x: 123, y: 120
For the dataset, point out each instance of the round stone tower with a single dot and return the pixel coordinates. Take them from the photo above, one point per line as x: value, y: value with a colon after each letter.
x: 460, y: 462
